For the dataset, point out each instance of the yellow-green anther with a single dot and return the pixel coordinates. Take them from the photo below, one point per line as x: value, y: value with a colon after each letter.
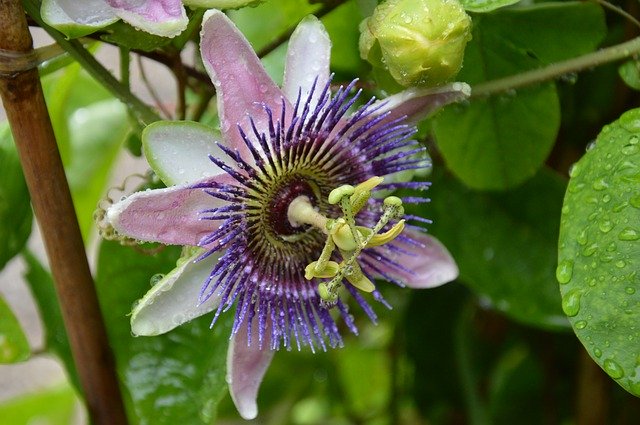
x: 362, y: 193
x: 342, y: 236
x: 328, y: 269
x: 338, y: 193
x: 359, y: 280
x: 392, y: 201
x: 325, y: 293
x: 386, y: 237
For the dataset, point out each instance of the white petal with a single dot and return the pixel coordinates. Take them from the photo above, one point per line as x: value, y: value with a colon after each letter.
x: 308, y: 57
x: 178, y: 151
x: 174, y: 299
x: 75, y: 18
x: 246, y: 366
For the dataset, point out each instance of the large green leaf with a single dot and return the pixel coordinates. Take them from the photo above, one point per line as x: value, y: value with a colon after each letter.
x: 599, y: 250
x: 14, y: 346
x: 499, y: 142
x: 174, y: 378
x: 15, y: 207
x: 504, y: 244
x: 56, y: 341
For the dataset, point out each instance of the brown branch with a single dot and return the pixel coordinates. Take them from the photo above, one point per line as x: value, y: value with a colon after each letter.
x: 27, y: 113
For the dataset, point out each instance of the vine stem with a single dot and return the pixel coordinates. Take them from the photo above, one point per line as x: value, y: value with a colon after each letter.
x: 26, y: 110
x: 555, y: 70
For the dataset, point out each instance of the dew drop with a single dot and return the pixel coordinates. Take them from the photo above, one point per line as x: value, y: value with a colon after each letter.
x: 582, y: 237
x: 620, y: 264
x: 156, y: 278
x: 630, y: 149
x: 605, y: 226
x: 630, y: 290
x: 629, y: 234
x: 606, y: 198
x: 597, y: 352
x: 590, y: 249
x: 571, y: 302
x: 574, y: 170
x: 564, y: 272
x: 581, y: 324
x: 613, y: 369
x: 600, y: 184
x: 611, y: 247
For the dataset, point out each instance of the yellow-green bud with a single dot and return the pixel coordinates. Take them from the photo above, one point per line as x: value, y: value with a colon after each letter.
x: 420, y: 42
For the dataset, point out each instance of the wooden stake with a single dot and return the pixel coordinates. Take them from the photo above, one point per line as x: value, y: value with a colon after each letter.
x: 31, y: 127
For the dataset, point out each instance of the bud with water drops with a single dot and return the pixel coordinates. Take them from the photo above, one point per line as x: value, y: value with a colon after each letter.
x: 420, y: 42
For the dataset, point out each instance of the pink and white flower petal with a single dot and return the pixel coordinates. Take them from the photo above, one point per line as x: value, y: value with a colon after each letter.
x: 166, y: 18
x: 308, y: 57
x: 417, y: 104
x: 425, y: 262
x: 178, y: 151
x: 246, y: 366
x: 241, y: 81
x: 174, y: 299
x: 77, y: 18
x: 171, y: 216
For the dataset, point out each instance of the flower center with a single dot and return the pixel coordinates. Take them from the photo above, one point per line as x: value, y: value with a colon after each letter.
x: 344, y: 237
x: 279, y: 207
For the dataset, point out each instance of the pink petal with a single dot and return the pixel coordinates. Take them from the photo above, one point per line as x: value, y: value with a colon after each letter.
x: 430, y: 263
x: 170, y: 216
x: 240, y: 79
x: 166, y: 18
x: 417, y: 104
x: 246, y: 366
x: 308, y: 57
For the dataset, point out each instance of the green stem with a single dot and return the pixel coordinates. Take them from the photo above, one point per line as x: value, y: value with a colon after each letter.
x: 141, y: 110
x: 591, y: 60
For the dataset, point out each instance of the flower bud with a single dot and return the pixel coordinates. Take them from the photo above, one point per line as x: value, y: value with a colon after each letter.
x: 420, y: 42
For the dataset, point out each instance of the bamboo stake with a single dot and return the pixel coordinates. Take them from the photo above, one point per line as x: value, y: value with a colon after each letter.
x: 27, y: 113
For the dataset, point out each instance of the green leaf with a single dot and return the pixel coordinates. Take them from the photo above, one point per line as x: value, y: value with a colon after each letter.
x: 91, y: 127
x: 97, y: 131
x: 14, y: 346
x: 52, y: 406
x: 125, y: 35
x: 56, y: 341
x: 480, y: 6
x: 500, y: 142
x: 504, y: 244
x: 178, y: 377
x: 630, y: 73
x: 15, y: 206
x: 599, y: 250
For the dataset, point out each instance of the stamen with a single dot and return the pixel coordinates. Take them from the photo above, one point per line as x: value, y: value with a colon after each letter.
x: 342, y: 233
